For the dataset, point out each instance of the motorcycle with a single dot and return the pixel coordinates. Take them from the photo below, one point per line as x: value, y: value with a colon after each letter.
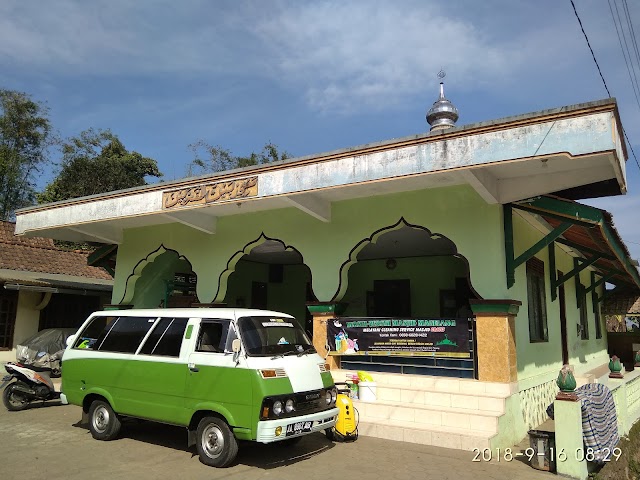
x: 29, y: 386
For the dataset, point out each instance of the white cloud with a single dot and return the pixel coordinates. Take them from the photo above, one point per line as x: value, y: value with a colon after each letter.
x: 345, y: 54
x: 338, y: 55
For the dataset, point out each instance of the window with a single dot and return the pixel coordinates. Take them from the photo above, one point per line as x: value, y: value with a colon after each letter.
x: 537, y: 300
x: 166, y: 338
x: 212, y: 336
x: 8, y: 306
x: 272, y: 336
x: 97, y: 325
x: 120, y: 334
x: 584, y: 320
x: 596, y: 313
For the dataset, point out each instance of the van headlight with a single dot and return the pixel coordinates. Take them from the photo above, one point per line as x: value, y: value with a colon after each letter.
x: 334, y: 395
x: 288, y: 406
x: 328, y: 397
x: 277, y: 407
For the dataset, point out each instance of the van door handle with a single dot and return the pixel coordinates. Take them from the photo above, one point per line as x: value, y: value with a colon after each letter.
x: 193, y: 368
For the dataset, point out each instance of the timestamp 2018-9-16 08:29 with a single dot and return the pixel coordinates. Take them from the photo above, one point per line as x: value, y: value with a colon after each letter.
x: 580, y: 455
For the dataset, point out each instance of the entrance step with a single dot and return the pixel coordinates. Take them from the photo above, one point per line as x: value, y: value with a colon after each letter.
x: 446, y: 437
x: 429, y: 415
x: 435, y: 384
x: 453, y: 413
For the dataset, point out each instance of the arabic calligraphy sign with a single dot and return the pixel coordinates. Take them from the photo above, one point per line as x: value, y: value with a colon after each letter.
x: 211, y: 193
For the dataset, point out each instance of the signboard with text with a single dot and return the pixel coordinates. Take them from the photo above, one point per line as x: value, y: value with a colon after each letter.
x: 435, y: 337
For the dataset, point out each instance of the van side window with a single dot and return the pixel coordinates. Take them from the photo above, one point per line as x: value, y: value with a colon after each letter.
x: 231, y: 336
x: 125, y: 334
x: 166, y: 337
x: 87, y: 339
x: 212, y: 336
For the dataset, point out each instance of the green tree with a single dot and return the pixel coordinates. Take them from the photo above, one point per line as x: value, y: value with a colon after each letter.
x: 95, y: 162
x: 210, y: 159
x: 25, y: 138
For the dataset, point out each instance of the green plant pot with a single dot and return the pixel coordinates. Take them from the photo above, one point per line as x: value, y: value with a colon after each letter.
x: 566, y: 381
x: 614, y: 365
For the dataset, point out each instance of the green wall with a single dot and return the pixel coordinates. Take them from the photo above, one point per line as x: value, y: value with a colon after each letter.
x: 540, y: 362
x: 150, y: 288
x: 427, y: 275
x: 455, y: 212
x: 289, y: 296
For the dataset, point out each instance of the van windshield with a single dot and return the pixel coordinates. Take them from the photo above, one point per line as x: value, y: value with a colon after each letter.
x: 263, y: 336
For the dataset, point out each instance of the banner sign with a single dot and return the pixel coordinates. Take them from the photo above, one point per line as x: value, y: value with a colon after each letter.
x: 437, y: 337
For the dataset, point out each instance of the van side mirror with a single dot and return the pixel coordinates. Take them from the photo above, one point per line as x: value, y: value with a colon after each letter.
x: 71, y: 339
x: 235, y: 345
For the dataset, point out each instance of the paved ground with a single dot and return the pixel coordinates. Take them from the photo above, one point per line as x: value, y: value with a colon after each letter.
x: 47, y: 442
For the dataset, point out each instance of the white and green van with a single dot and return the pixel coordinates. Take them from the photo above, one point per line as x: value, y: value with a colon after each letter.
x: 225, y: 374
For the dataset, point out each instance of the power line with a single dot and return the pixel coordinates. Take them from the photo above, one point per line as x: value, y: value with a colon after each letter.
x: 590, y: 49
x: 632, y: 30
x: 593, y: 55
x: 634, y: 85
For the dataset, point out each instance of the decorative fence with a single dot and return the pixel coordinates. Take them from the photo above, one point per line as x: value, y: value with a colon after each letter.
x: 626, y: 394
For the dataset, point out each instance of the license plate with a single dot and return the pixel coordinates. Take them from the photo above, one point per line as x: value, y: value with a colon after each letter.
x: 298, y: 428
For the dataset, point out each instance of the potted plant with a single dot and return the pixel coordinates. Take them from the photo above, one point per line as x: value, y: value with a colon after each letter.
x: 615, y: 367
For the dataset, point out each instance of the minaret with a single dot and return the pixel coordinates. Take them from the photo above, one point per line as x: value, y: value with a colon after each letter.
x: 442, y: 114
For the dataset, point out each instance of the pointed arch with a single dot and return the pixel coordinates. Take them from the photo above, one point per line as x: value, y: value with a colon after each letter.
x: 138, y: 269
x: 235, y: 258
x: 373, y: 238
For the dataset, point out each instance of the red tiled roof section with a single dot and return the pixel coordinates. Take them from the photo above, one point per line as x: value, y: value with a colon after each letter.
x: 38, y: 254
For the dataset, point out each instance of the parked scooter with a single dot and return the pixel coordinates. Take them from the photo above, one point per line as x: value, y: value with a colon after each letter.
x: 30, y: 386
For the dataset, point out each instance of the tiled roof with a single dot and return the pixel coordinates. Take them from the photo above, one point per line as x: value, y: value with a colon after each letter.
x: 37, y: 254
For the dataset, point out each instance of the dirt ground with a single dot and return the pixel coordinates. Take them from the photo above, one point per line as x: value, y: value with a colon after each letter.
x: 627, y: 467
x: 48, y: 442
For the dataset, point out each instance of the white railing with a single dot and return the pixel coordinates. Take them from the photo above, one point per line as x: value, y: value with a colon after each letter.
x: 626, y: 394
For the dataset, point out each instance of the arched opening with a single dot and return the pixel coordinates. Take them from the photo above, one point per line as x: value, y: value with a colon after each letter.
x: 267, y: 274
x: 417, y: 280
x: 163, y: 279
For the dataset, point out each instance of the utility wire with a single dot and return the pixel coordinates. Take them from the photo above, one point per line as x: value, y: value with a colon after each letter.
x: 601, y: 76
x: 631, y: 71
x: 590, y: 49
x: 632, y: 30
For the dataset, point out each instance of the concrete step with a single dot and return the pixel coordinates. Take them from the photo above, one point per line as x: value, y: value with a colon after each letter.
x: 447, y: 412
x: 426, y: 416
x: 435, y: 384
x: 481, y: 402
x: 447, y: 437
x: 436, y: 391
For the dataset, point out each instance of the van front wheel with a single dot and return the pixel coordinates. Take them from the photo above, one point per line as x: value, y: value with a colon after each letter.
x: 217, y: 446
x: 104, y: 423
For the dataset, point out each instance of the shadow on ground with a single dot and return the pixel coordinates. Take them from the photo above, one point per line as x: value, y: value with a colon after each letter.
x: 42, y: 404
x: 252, y: 454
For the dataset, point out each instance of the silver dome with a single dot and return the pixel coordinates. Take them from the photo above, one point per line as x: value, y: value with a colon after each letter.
x: 442, y: 114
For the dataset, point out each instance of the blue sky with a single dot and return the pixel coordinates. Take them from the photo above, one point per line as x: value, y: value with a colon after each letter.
x: 309, y: 76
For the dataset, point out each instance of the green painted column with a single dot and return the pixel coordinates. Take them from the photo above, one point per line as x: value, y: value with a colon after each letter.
x: 569, y: 442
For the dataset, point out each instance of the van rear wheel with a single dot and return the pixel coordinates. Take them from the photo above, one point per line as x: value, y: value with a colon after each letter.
x: 104, y: 423
x: 217, y: 446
